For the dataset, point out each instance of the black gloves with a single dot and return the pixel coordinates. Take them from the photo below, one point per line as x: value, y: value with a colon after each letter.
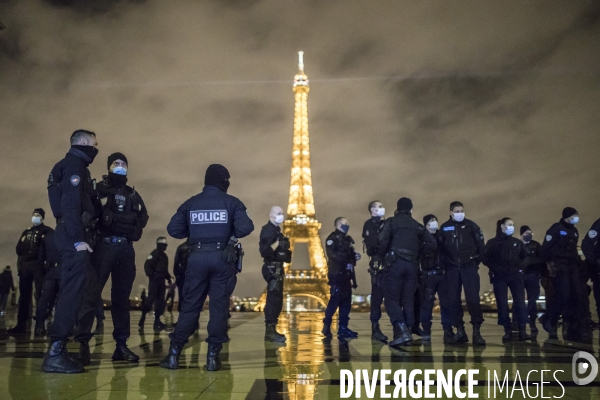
x: 229, y: 254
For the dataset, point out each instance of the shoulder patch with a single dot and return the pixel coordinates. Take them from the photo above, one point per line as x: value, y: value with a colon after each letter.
x: 150, y: 257
x: 75, y: 180
x: 548, y: 238
x: 329, y: 242
x: 367, y: 232
x: 592, y: 234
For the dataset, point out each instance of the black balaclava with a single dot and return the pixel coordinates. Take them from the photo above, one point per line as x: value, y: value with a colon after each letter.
x: 217, y: 176
x: 41, y: 212
x: 116, y: 179
x: 90, y: 151
x: 161, y: 243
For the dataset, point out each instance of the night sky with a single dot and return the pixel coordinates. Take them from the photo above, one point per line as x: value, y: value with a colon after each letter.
x: 495, y: 104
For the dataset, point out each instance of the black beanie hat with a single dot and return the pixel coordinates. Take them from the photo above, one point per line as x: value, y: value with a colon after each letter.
x: 114, y: 157
x: 428, y: 218
x: 404, y: 204
x: 218, y: 176
x: 524, y: 229
x: 41, y: 212
x: 569, y: 212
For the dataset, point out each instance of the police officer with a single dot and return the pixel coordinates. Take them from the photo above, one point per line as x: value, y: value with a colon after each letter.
x: 213, y: 221
x: 503, y: 255
x: 370, y: 236
x: 461, y: 242
x: 182, y: 254
x: 156, y: 268
x: 31, y: 268
x: 591, y: 251
x: 6, y: 285
x: 73, y: 200
x: 400, y: 241
x: 533, y: 264
x: 51, y: 285
x: 434, y: 281
x: 275, y: 250
x: 559, y: 250
x: 123, y: 218
x: 340, y: 274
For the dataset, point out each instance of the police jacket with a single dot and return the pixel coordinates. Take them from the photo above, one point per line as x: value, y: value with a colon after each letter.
x: 503, y: 254
x: 461, y: 242
x: 6, y: 282
x: 181, y: 260
x: 49, y: 252
x: 210, y: 217
x: 430, y: 256
x: 73, y: 199
x: 29, y: 245
x: 590, y: 245
x: 404, y: 236
x: 340, y: 253
x: 269, y: 234
x: 370, y: 235
x: 533, y: 261
x: 560, y: 244
x: 157, y: 265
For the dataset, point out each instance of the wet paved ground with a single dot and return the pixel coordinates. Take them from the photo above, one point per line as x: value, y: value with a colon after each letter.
x: 307, y: 367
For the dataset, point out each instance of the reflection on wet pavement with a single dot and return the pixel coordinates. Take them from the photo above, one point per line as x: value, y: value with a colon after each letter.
x: 307, y: 366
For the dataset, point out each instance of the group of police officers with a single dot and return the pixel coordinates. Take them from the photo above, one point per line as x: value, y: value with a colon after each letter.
x: 410, y: 263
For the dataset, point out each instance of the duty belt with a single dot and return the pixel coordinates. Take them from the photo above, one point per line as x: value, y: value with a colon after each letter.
x: 207, y: 246
x: 115, y: 240
x: 435, y: 272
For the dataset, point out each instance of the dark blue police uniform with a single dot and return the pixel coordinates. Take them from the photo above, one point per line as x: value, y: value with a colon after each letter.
x: 370, y: 236
x: 51, y: 285
x: 591, y: 251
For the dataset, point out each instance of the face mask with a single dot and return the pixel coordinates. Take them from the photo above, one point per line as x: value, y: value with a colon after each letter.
x: 345, y: 228
x: 574, y: 220
x: 433, y: 225
x: 89, y: 151
x: 161, y: 246
x: 380, y: 212
x: 528, y: 238
x: 36, y: 220
x: 509, y: 230
x: 279, y: 219
x: 119, y: 170
x: 458, y: 217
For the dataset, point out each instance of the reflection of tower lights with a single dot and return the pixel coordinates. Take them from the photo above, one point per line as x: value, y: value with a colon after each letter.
x: 288, y: 303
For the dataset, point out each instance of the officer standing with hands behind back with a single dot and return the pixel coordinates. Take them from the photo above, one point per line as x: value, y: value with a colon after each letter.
x: 275, y: 250
x: 213, y: 221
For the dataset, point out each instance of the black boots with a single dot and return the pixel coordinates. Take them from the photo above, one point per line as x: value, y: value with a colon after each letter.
x: 84, y: 353
x: 142, y: 320
x: 213, y: 363
x: 122, y: 353
x: 20, y: 329
x: 158, y: 325
x: 346, y: 333
x: 477, y: 338
x: 507, y: 334
x: 449, y: 335
x: 376, y: 332
x: 171, y: 361
x: 327, y: 330
x: 58, y: 360
x: 534, y: 329
x: 402, y: 336
x: 271, y: 334
x: 426, y: 333
x: 99, y: 327
x: 40, y: 329
x: 549, y: 327
x: 461, y: 335
x: 523, y: 336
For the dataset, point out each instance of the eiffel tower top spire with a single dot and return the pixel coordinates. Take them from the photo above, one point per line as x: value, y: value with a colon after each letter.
x: 301, y: 201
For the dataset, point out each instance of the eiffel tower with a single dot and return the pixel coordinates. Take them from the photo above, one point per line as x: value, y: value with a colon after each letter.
x: 300, y: 225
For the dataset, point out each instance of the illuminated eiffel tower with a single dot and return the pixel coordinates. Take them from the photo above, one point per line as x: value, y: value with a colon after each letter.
x: 300, y: 225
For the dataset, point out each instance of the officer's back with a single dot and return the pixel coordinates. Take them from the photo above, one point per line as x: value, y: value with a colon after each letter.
x: 404, y: 235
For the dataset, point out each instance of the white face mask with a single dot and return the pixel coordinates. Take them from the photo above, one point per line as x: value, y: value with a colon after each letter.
x: 279, y: 219
x: 509, y: 230
x: 36, y: 220
x: 433, y: 225
x: 119, y: 171
x: 458, y: 217
x: 380, y: 212
x: 574, y: 220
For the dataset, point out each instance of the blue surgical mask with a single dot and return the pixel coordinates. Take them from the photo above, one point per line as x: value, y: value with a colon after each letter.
x: 119, y: 171
x: 510, y: 230
x: 36, y: 220
x: 574, y: 220
x: 345, y: 228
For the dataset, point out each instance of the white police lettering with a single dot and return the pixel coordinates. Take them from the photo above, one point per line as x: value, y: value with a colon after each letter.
x: 208, y: 217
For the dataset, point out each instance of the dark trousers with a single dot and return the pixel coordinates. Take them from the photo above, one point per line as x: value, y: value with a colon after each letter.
x: 116, y: 260
x: 464, y: 277
x: 596, y: 282
x: 170, y: 296
x: 156, y: 295
x: 206, y: 274
x: 50, y: 290
x: 29, y: 275
x: 341, y: 298
x: 431, y: 285
x: 180, y: 282
x: 274, y: 302
x: 569, y: 295
x: 531, y: 281
x: 514, y: 282
x: 76, y: 275
x: 3, y: 301
x: 376, y: 297
x: 399, y: 291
